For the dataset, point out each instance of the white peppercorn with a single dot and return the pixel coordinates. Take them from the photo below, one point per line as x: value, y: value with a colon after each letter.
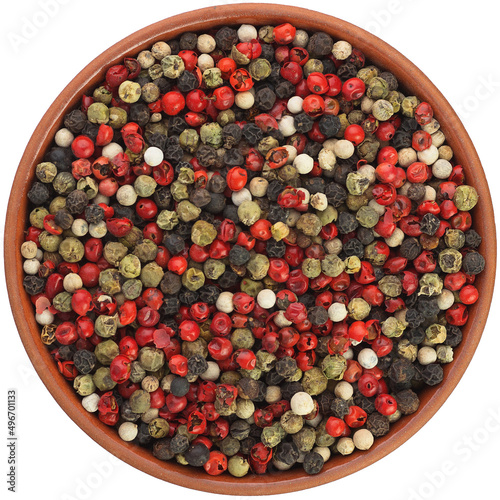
x: 72, y: 282
x: 344, y: 149
x: 64, y: 138
x: 337, y: 312
x: 44, y: 318
x: 98, y: 230
x: 247, y: 33
x: 441, y: 169
x: 29, y: 249
x: 258, y: 186
x: 206, y: 43
x: 111, y: 150
x: 294, y: 104
x: 91, y: 402
x: 287, y: 126
x: 367, y: 358
x: 302, y: 403
x: 341, y: 50
x: 153, y: 156
x: 429, y: 155
x: 244, y: 100
x: 126, y: 195
x: 127, y: 431
x: 266, y: 298
x: 426, y: 355
x: 31, y: 266
x: 363, y: 439
x: 345, y: 446
x: 205, y: 61
x: 238, y: 197
x: 344, y: 390
x: 80, y: 227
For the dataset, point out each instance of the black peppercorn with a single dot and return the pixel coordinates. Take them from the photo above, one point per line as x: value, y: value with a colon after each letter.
x: 161, y: 449
x: 84, y: 361
x: 354, y: 247
x: 453, y: 335
x: 402, y: 370
x: 273, y: 378
x: 303, y: 123
x: 288, y: 389
x: 225, y: 38
x: 377, y: 424
x: 318, y: 315
x: 335, y: 194
x: 346, y: 223
x: 64, y: 219
x: 287, y: 452
x: 76, y: 201
x: 179, y: 443
x: 179, y: 387
x: 401, y: 139
x: 472, y: 239
x: 252, y: 133
x: 265, y: 99
x: 427, y: 306
x: 429, y: 224
x: 313, y: 462
x: 415, y: 335
x: 473, y: 263
x: 197, y: 455
x: 94, y: 214
x: 170, y: 306
x: 239, y: 255
x: 407, y: 401
x: 187, y: 82
x: 320, y: 44
x: 33, y: 284
x: 38, y: 194
x: 410, y: 248
x: 174, y: 243
x: 414, y: 318
x: 339, y: 408
x: 139, y: 113
x: 329, y: 125
x: 275, y: 248
x: 432, y: 374
x: 209, y: 294
x: 325, y: 400
x: 346, y: 71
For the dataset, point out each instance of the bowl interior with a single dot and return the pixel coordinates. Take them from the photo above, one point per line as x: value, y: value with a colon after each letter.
x: 377, y: 52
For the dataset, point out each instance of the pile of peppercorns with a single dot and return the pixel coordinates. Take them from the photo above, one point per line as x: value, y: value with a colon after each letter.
x: 248, y: 249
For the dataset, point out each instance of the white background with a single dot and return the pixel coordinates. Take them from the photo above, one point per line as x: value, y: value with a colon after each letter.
x: 455, y: 43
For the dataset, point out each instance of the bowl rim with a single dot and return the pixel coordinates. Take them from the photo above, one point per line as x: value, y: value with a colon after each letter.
x: 376, y: 51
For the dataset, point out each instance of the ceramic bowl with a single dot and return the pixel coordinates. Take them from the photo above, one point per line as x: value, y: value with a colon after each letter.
x: 412, y: 80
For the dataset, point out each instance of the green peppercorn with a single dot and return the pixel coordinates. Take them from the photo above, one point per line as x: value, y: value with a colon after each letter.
x: 356, y: 183
x: 89, y: 186
x: 84, y: 385
x: 151, y: 275
x: 193, y: 279
x: 117, y: 117
x: 259, y: 69
x: 257, y: 266
x: 330, y: 214
x: 98, y: 113
x: 130, y: 266
x: 109, y: 281
x: 322, y: 437
x: 450, y: 260
x: 203, y: 233
x: 352, y: 264
x: 46, y: 172
x: 102, y: 379
x: 242, y: 338
x: 189, y: 140
x: 64, y: 183
x: 137, y: 372
x: 309, y: 224
x: 37, y: 215
x: 382, y: 110
x: 131, y: 239
x: 212, y: 77
x: 106, y: 326
x: 140, y: 401
x: 314, y: 381
x: 158, y: 428
x: 240, y: 58
x: 367, y: 74
x: 408, y: 105
x: 392, y: 327
x: 172, y: 66
x: 167, y: 220
x: 106, y: 351
x: 62, y: 302
x: 377, y: 88
x: 334, y: 366
x: 271, y: 436
x: 251, y: 287
x: 435, y: 334
x: 145, y: 185
x: 132, y: 289
x: 151, y: 359
x: 332, y: 265
x: 249, y: 212
x: 305, y: 439
x: 187, y: 211
x: 430, y: 284
x: 238, y: 466
x: 358, y: 309
x: 114, y: 252
x: 291, y: 423
x: 454, y: 238
x: 265, y: 360
x: 179, y: 191
x: 311, y: 267
x: 465, y: 198
x: 407, y: 350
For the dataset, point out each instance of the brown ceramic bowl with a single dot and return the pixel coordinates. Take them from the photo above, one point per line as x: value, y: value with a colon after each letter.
x: 259, y: 14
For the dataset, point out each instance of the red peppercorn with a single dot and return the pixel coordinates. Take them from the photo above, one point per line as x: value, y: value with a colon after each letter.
x: 313, y: 105
x: 417, y: 172
x: 368, y: 385
x: 224, y: 98
x: 468, y: 294
x: 241, y: 80
x: 173, y: 102
x: 216, y: 464
x: 66, y: 333
x: 355, y: 134
x: 335, y: 426
x: 353, y: 89
x: 82, y: 146
x: 457, y: 315
x: 283, y: 34
x: 421, y: 140
x: 353, y: 371
x: 356, y: 417
x: 178, y: 365
x: 245, y: 358
x: 120, y: 368
x: 386, y: 404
